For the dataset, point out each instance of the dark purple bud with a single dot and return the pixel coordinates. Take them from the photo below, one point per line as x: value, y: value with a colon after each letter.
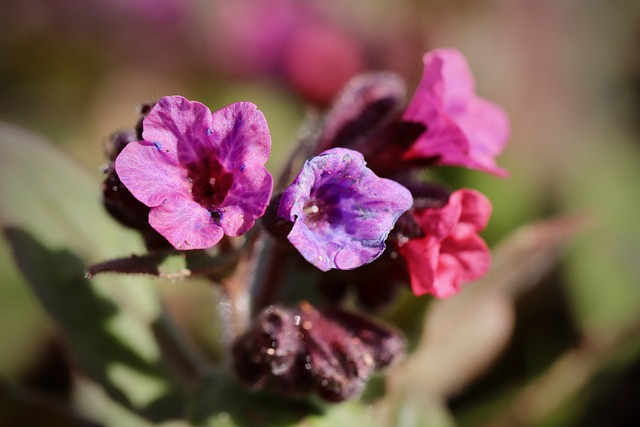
x: 269, y: 349
x: 368, y: 102
x: 300, y: 350
x: 384, y: 344
x: 385, y: 151
x: 143, y: 111
x: 117, y: 142
x: 338, y: 361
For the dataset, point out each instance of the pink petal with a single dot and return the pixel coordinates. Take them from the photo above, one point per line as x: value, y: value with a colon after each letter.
x: 185, y: 224
x: 439, y: 223
x: 151, y: 173
x: 457, y: 80
x: 443, y: 139
x: 173, y: 119
x: 242, y: 134
x: 476, y: 208
x: 447, y: 280
x: 486, y: 127
x: 471, y: 255
x: 422, y: 260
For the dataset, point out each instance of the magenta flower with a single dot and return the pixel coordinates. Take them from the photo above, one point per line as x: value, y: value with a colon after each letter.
x: 342, y: 212
x: 451, y: 252
x: 462, y: 128
x: 201, y: 173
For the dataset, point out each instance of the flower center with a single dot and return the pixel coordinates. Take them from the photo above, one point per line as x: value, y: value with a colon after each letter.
x: 319, y: 211
x: 210, y: 182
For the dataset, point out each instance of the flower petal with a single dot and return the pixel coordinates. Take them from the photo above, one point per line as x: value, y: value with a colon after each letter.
x: 241, y: 133
x: 458, y: 84
x: 476, y: 208
x: 462, y: 128
x: 175, y: 119
x: 185, y: 224
x: 208, y: 164
x: 469, y: 257
x: 150, y: 172
x: 421, y: 256
x: 486, y: 127
x: 438, y: 223
x: 342, y: 211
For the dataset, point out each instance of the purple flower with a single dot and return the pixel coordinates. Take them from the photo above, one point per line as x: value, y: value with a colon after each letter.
x: 342, y: 211
x: 201, y: 173
x: 462, y: 128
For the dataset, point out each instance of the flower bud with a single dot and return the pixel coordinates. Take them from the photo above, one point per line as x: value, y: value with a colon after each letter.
x: 269, y: 348
x: 299, y: 350
x: 365, y: 104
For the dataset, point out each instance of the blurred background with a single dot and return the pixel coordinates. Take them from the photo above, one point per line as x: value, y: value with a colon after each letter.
x: 566, y: 71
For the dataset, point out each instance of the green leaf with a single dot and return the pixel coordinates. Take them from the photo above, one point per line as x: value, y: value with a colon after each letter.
x: 222, y: 401
x: 54, y: 223
x: 414, y: 407
x: 18, y: 307
x: 603, y: 270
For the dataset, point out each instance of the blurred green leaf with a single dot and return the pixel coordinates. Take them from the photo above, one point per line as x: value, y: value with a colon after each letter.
x: 18, y: 307
x: 53, y: 220
x: 222, y: 401
x: 347, y: 414
x: 414, y: 406
x: 604, y: 271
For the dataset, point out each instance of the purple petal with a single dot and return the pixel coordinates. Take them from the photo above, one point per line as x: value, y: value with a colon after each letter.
x: 342, y: 211
x: 185, y: 224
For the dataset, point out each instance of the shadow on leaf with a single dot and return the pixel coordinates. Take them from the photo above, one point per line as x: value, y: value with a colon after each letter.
x: 87, y: 319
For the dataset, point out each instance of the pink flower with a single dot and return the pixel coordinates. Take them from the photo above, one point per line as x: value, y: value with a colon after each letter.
x: 201, y: 173
x: 462, y: 128
x: 451, y: 252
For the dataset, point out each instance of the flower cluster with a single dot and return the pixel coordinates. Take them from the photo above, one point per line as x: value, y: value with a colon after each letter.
x: 190, y: 179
